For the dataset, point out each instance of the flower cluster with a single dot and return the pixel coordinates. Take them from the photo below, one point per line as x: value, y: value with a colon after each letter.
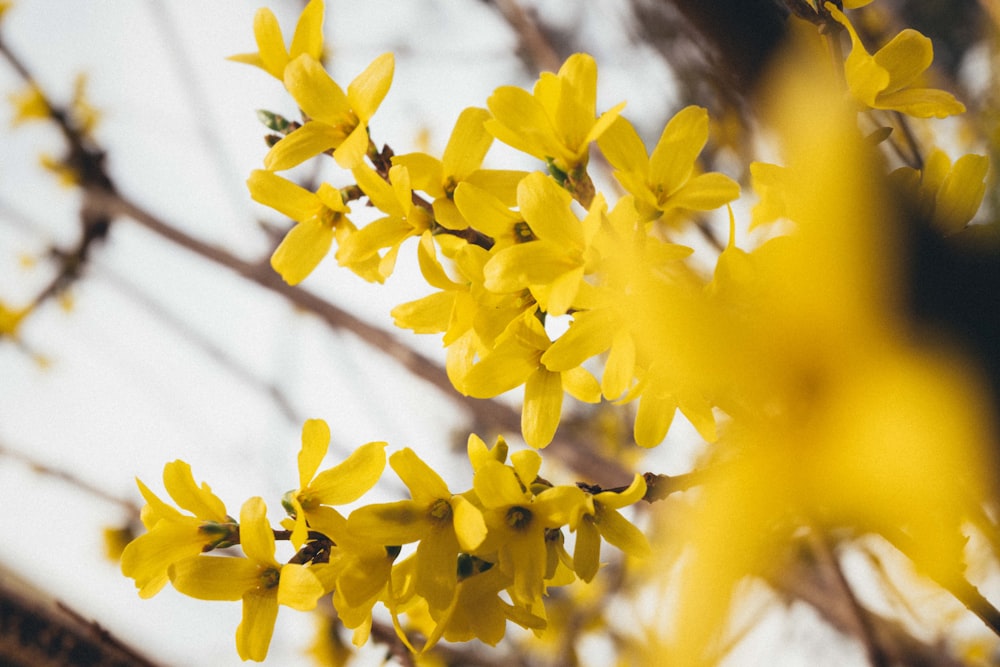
x: 502, y: 536
x: 794, y: 351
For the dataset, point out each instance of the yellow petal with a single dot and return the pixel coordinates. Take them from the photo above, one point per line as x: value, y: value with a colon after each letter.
x: 581, y: 385
x: 303, y: 248
x: 905, y: 57
x: 496, y: 485
x: 270, y: 43
x: 366, y: 92
x: 516, y: 267
x: 348, y: 481
x: 200, y: 501
x: 425, y: 170
x: 623, y: 147
x: 210, y: 578
x: 351, y: 153
x: 282, y: 195
x: 526, y: 464
x: 424, y: 483
x: 921, y: 103
x: 468, y: 144
x: 308, y: 37
x: 588, y: 335
x: 587, y: 552
x: 520, y: 120
x: 633, y: 494
x: 396, y: 523
x: 672, y: 161
x: 546, y: 207
x: 436, y: 568
x: 961, y: 193
x: 506, y: 367
x: 865, y: 77
x: 315, y: 441
x: 427, y: 315
x: 256, y: 536
x: 617, y: 531
x: 705, y: 192
x: 652, y: 419
x: 470, y: 527
x: 378, y: 191
x: 543, y: 395
x: 299, y: 145
x: 298, y: 587
x: 316, y: 93
x: 253, y: 635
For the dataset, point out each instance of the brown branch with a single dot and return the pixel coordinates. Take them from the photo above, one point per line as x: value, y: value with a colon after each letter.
x: 798, y: 577
x: 69, y: 478
x: 534, y: 47
x: 39, y: 630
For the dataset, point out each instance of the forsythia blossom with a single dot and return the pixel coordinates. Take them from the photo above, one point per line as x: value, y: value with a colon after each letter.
x: 792, y: 359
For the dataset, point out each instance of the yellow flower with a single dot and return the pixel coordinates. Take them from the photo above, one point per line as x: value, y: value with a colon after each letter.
x: 259, y: 580
x: 668, y: 178
x: 272, y: 56
x: 949, y: 194
x: 173, y: 536
x: 607, y: 522
x: 517, y: 359
x: 461, y: 162
x: 889, y: 79
x: 442, y: 523
x: 29, y: 104
x: 603, y: 314
x: 344, y: 483
x: 10, y: 320
x: 556, y: 121
x: 517, y: 520
x: 358, y: 573
x: 478, y: 611
x: 321, y: 217
x: 335, y: 120
x: 403, y: 219
x: 553, y: 263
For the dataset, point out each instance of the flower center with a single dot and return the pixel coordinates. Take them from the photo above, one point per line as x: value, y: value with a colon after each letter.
x: 518, y: 518
x: 269, y: 577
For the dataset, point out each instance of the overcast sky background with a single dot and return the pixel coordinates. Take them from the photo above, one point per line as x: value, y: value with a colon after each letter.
x: 130, y: 385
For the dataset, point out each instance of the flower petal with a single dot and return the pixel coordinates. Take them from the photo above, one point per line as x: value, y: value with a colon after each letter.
x: 672, y: 161
x: 256, y: 536
x: 308, y: 37
x: 424, y: 483
x: 366, y: 92
x: 315, y: 92
x: 253, y: 635
x: 299, y: 145
x: 212, y: 578
x: 315, y: 442
x: 298, y: 587
x: 282, y: 195
x: 200, y: 501
x: 301, y: 251
x: 467, y: 145
x: 396, y: 523
x: 349, y: 480
x: 543, y: 395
